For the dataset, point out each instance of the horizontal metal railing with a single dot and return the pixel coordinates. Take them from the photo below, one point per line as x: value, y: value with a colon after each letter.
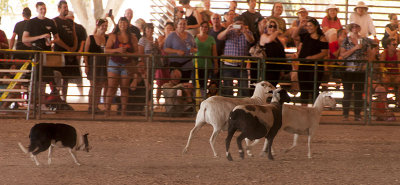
x: 151, y: 114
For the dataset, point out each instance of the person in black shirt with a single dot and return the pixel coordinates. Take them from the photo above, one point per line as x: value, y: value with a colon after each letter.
x: 68, y: 42
x: 37, y: 33
x: 133, y: 29
x: 250, y: 16
x: 18, y: 31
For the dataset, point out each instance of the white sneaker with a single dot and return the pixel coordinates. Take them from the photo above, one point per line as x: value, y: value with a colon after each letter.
x: 46, y: 110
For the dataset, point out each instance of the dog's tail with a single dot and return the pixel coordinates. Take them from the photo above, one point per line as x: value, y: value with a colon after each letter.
x: 24, y: 149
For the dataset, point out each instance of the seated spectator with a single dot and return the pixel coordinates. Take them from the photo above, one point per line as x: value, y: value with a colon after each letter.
x: 276, y: 13
x: 390, y: 71
x: 237, y: 42
x: 177, y: 95
x: 206, y: 13
x: 137, y: 91
x: 192, y: 16
x: 228, y: 18
x: 163, y: 73
x: 302, y: 14
x: 140, y: 23
x: 361, y: 17
x: 331, y: 23
x: 391, y: 30
x: 181, y: 43
x: 334, y: 53
x: 3, y: 42
x: 379, y: 108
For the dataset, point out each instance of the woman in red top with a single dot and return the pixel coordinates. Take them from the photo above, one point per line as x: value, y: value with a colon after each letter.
x: 331, y: 23
x: 121, y: 41
x: 390, y: 71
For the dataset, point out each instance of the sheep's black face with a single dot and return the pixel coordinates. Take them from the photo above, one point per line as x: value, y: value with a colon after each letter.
x: 284, y: 96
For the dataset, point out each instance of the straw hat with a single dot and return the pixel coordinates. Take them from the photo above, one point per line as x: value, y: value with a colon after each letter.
x: 301, y: 10
x: 332, y: 6
x: 360, y: 4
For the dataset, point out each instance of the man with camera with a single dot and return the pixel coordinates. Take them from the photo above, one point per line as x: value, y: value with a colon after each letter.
x: 237, y: 37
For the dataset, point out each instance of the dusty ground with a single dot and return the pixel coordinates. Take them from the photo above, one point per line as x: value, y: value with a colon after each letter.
x: 150, y: 153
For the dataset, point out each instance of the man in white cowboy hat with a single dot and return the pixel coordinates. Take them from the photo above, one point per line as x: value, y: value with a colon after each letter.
x: 362, y: 18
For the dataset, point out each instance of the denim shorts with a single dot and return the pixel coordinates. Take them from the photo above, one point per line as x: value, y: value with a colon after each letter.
x: 117, y: 68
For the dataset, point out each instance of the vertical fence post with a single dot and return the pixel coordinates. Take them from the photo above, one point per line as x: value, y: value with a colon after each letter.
x: 151, y: 77
x: 94, y: 87
x: 369, y: 73
x: 41, y: 63
x: 264, y: 67
x: 315, y: 89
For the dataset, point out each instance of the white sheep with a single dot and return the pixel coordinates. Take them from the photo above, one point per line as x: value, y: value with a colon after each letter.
x: 215, y: 111
x: 257, y: 121
x: 300, y: 120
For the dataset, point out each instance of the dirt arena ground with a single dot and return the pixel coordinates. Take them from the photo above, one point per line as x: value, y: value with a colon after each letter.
x: 150, y: 153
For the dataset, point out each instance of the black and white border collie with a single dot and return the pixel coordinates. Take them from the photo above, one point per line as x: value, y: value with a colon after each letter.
x: 45, y: 136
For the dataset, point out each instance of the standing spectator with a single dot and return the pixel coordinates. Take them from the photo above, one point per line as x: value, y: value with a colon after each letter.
x: 361, y: 17
x: 391, y: 30
x: 81, y: 35
x: 95, y: 44
x: 192, y: 16
x: 274, y: 45
x: 250, y: 16
x: 68, y: 42
x: 331, y: 23
x: 37, y: 33
x: 3, y: 40
x: 215, y: 30
x: 162, y: 74
x: 147, y: 44
x: 276, y: 13
x: 390, y: 71
x: 232, y: 7
x: 237, y: 42
x: 334, y: 53
x: 140, y: 23
x: 18, y: 31
x: 121, y: 40
x: 228, y: 18
x: 354, y: 48
x: 138, y: 88
x: 206, y: 47
x: 315, y: 47
x: 181, y: 43
x: 133, y: 29
x: 206, y: 13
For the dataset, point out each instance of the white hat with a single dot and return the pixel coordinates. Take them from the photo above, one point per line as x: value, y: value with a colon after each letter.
x: 332, y: 6
x: 360, y: 4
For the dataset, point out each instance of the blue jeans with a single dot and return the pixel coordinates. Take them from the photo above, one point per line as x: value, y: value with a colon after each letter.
x: 117, y: 68
x: 228, y: 75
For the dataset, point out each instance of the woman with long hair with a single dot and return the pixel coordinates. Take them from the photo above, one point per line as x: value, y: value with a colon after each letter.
x: 315, y: 47
x: 96, y: 69
x: 192, y: 16
x: 391, y: 30
x: 121, y: 41
x: 274, y: 45
x: 206, y: 47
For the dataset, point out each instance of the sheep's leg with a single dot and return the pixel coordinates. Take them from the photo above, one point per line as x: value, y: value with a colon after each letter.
x: 231, y: 132
x: 49, y: 155
x: 249, y: 146
x: 192, y: 132
x: 239, y: 140
x: 295, y: 137
x: 213, y: 138
x: 309, y: 147
x: 72, y: 152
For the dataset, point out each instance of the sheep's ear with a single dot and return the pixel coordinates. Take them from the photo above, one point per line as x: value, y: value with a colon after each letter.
x: 328, y: 94
x: 253, y: 84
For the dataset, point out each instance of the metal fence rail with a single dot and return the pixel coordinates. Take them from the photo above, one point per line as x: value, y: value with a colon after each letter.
x: 146, y: 108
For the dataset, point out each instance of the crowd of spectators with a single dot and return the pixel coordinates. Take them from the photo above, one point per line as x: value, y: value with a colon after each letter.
x: 201, y: 32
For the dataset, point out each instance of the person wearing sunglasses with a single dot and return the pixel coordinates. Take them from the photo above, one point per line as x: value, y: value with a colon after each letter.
x: 354, y: 48
x: 274, y: 44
